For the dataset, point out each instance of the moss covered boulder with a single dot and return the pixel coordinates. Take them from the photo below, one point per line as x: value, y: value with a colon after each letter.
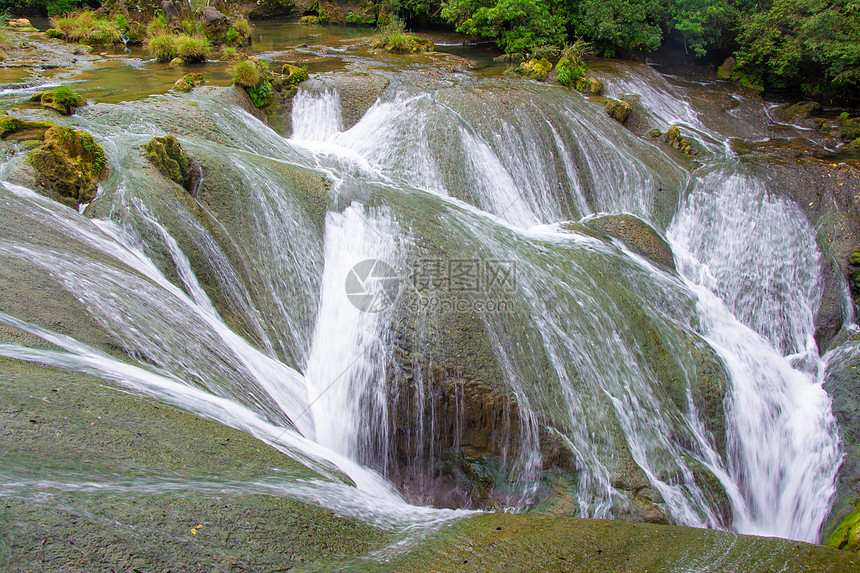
x: 798, y: 111
x: 70, y: 164
x: 847, y: 534
x: 673, y: 137
x: 638, y: 235
x: 188, y: 82
x: 62, y: 100
x: 294, y: 74
x: 535, y: 69
x: 589, y: 86
x: 20, y: 130
x: 618, y: 110
x: 167, y: 155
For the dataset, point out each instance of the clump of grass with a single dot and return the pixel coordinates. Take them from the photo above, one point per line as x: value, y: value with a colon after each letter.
x: 162, y: 46
x: 243, y: 26
x: 192, y: 48
x: 67, y: 97
x: 87, y: 27
x: 165, y: 47
x: 247, y: 73
x: 394, y: 38
x: 228, y: 53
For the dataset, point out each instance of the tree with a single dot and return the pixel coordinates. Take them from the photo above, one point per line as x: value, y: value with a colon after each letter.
x: 811, y: 44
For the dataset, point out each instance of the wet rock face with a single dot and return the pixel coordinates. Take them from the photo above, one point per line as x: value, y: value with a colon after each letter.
x: 448, y: 436
x: 799, y: 111
x: 639, y: 235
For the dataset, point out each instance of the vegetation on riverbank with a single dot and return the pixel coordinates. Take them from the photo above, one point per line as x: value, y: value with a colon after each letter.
x: 803, y: 45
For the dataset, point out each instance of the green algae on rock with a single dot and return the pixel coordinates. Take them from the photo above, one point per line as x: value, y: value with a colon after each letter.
x: 618, y: 110
x: 535, y: 69
x: 20, y: 130
x: 167, y: 155
x: 70, y: 165
x: 847, y: 534
x: 188, y: 82
x: 62, y: 100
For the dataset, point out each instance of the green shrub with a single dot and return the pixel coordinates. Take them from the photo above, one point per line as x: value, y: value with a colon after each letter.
x: 231, y: 35
x: 546, y: 51
x: 162, y: 47
x: 568, y: 73
x: 261, y: 95
x: 192, y: 48
x: 57, y: 7
x: 157, y: 26
x: 242, y: 26
x: 247, y: 73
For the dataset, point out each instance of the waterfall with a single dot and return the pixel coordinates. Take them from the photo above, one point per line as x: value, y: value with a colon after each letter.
x: 316, y: 116
x: 272, y: 300
x: 753, y: 260
x: 346, y: 370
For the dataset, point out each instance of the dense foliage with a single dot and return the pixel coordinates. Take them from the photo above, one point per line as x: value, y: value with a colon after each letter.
x: 813, y: 45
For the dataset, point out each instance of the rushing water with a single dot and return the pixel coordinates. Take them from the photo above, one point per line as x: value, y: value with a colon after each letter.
x: 234, y: 305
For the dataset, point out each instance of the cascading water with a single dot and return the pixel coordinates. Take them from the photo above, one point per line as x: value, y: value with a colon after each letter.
x: 664, y: 389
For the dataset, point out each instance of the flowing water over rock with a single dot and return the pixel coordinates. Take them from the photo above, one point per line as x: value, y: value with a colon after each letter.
x: 417, y: 302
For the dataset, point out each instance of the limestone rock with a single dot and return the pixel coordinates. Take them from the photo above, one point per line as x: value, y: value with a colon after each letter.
x: 673, y: 138
x: 188, y: 82
x: 70, y: 165
x: 535, y: 69
x: 637, y: 234
x: 167, y: 155
x: 213, y: 19
x: 589, y: 86
x: 618, y: 110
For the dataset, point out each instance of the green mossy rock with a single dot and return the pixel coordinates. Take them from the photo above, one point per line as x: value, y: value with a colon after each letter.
x: 727, y: 68
x: 855, y: 144
x: 70, y: 165
x: 618, y: 110
x: 798, y: 111
x: 535, y: 69
x: 166, y: 154
x: 847, y: 534
x: 295, y: 75
x: 673, y: 138
x: 589, y: 86
x: 188, y: 82
x: 177, y: 62
x: 65, y: 106
x: 309, y: 20
x: 20, y: 130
